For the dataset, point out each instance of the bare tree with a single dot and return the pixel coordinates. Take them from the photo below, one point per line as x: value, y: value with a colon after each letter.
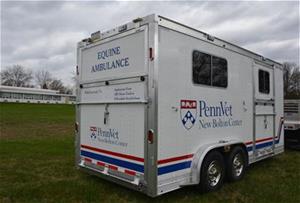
x: 291, y: 80
x: 68, y: 90
x: 43, y: 79
x: 74, y: 77
x: 57, y: 85
x: 16, y: 75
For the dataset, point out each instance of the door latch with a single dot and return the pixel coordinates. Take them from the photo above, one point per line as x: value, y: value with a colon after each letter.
x: 106, y: 114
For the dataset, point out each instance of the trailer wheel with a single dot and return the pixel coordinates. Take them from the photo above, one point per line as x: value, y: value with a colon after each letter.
x: 212, y: 172
x: 236, y: 164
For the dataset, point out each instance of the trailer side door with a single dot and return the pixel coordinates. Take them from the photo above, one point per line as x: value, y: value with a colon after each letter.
x: 264, y: 111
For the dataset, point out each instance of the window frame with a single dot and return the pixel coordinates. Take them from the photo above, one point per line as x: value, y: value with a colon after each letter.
x: 211, y: 72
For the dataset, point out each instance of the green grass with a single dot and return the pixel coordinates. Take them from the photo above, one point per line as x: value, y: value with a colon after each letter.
x: 37, y: 165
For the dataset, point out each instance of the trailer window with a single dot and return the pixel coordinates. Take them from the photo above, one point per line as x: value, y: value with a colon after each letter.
x: 209, y: 70
x: 219, y: 72
x: 201, y: 68
x: 264, y: 81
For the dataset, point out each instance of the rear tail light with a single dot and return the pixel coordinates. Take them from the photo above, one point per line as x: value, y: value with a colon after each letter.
x: 111, y: 167
x: 100, y: 164
x: 132, y: 173
x: 150, y: 136
x: 87, y: 160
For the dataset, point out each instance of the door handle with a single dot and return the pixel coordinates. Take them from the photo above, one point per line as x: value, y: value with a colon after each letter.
x: 106, y: 114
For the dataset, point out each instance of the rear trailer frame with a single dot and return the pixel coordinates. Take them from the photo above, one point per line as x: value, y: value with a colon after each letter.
x: 174, y: 150
x: 292, y: 114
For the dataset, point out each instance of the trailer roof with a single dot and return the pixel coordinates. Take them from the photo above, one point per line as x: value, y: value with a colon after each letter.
x: 219, y: 42
x: 171, y: 24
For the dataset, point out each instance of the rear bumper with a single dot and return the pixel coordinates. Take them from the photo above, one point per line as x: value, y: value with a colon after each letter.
x: 292, y: 125
x: 115, y: 179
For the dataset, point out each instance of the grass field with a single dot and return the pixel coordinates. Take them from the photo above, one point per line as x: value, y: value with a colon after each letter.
x: 37, y: 165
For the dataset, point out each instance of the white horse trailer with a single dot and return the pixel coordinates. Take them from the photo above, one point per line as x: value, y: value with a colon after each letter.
x: 161, y: 105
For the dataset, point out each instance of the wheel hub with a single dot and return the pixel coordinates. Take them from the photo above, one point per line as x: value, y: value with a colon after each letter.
x: 214, y: 173
x: 238, y: 165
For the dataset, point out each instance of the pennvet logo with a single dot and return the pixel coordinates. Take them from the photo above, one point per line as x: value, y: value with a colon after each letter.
x: 188, y: 113
x: 93, y: 132
x: 108, y: 136
x: 218, y: 114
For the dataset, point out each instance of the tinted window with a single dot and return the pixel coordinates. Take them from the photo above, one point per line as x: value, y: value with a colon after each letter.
x: 209, y: 70
x: 264, y: 81
x: 201, y: 68
x: 219, y: 71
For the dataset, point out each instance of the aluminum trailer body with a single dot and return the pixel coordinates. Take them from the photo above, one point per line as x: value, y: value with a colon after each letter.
x: 161, y: 105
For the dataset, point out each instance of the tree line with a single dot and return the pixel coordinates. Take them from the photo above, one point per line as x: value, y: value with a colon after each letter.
x: 19, y: 76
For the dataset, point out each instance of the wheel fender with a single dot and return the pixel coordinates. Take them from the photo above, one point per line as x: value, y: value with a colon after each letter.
x: 200, y: 155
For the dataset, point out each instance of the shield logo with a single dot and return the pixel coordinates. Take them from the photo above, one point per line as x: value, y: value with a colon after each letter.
x: 188, y: 113
x: 93, y: 132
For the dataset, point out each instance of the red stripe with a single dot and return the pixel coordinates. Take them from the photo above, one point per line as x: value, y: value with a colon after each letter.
x: 100, y: 163
x: 246, y: 143
x: 133, y: 173
x: 114, y: 153
x: 112, y: 167
x: 260, y: 140
x: 163, y: 161
x: 87, y: 160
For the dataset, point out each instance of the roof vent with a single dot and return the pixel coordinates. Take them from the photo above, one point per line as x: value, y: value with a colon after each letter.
x: 137, y: 20
x: 210, y: 37
x: 95, y: 36
x: 122, y: 28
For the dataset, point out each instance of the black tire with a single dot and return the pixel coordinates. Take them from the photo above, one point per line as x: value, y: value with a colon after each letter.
x: 236, y: 171
x: 206, y: 182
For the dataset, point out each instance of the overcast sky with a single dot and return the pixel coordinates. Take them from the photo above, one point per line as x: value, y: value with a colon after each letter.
x: 43, y: 35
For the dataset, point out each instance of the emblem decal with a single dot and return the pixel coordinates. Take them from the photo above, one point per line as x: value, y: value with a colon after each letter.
x: 93, y: 132
x: 188, y: 113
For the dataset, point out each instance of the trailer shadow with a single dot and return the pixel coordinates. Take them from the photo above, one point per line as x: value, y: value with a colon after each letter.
x: 230, y: 192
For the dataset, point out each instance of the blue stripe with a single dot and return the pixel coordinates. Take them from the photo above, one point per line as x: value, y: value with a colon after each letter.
x: 118, y: 162
x: 174, y: 167
x: 259, y: 146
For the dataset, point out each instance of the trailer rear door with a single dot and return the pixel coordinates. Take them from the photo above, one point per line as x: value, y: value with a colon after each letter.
x: 113, y: 97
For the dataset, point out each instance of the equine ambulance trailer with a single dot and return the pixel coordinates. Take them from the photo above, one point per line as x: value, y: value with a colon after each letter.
x: 161, y: 105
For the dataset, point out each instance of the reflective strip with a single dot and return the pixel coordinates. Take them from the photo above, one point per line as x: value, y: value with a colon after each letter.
x: 133, y: 173
x: 113, y: 167
x: 262, y: 145
x: 163, y: 161
x: 114, y: 161
x: 113, y: 153
x: 99, y: 163
x: 87, y: 160
x: 174, y: 167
